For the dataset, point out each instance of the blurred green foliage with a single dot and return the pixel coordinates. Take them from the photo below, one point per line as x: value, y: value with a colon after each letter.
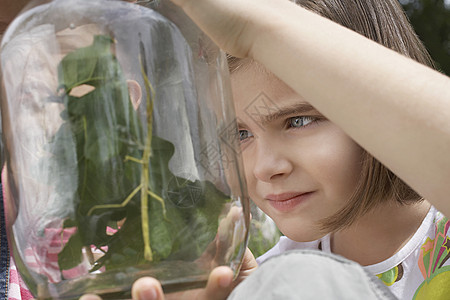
x: 431, y: 20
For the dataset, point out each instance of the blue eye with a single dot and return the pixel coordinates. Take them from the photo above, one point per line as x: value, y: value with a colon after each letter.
x: 300, y: 121
x: 244, y: 134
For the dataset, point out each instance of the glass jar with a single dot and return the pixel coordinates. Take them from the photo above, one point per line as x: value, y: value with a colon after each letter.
x: 122, y: 151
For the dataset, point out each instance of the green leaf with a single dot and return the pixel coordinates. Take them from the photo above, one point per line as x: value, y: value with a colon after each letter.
x: 114, y: 152
x: 88, y: 64
x: 70, y: 256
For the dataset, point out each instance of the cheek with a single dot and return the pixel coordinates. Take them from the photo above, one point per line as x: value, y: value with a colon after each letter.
x: 337, y: 162
x: 248, y: 165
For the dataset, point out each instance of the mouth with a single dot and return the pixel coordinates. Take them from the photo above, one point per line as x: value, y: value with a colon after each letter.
x: 285, y: 202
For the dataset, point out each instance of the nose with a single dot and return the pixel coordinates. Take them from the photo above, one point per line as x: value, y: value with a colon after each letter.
x: 271, y: 162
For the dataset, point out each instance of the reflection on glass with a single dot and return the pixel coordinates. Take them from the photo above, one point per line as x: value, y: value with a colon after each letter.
x: 121, y: 149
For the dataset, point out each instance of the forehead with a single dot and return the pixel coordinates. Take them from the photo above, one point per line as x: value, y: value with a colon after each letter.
x: 256, y: 90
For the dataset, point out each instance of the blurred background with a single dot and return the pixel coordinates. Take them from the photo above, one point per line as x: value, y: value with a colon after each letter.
x: 431, y: 20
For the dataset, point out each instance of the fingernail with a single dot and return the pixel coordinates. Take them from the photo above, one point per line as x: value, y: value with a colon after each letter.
x: 148, y: 294
x: 225, y: 281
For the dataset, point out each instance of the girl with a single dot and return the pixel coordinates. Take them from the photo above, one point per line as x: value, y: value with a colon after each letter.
x: 326, y: 97
x: 317, y: 184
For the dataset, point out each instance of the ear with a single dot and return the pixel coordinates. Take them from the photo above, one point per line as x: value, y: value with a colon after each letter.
x: 135, y: 91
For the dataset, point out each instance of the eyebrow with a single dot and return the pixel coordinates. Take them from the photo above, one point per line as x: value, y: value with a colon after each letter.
x: 282, y: 112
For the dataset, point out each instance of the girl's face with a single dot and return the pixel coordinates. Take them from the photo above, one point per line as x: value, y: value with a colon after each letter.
x: 300, y: 168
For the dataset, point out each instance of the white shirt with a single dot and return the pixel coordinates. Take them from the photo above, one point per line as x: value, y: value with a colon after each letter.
x: 420, y: 270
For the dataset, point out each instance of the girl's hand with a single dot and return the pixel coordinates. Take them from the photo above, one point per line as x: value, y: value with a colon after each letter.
x: 220, y: 282
x: 219, y: 286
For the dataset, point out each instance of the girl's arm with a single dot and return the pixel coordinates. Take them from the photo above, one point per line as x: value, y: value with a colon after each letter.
x: 397, y: 109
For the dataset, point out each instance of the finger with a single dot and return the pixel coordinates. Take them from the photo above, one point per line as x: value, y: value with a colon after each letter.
x: 219, y: 284
x: 249, y: 265
x: 249, y: 261
x: 217, y: 252
x: 226, y: 232
x: 90, y: 297
x: 147, y: 288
